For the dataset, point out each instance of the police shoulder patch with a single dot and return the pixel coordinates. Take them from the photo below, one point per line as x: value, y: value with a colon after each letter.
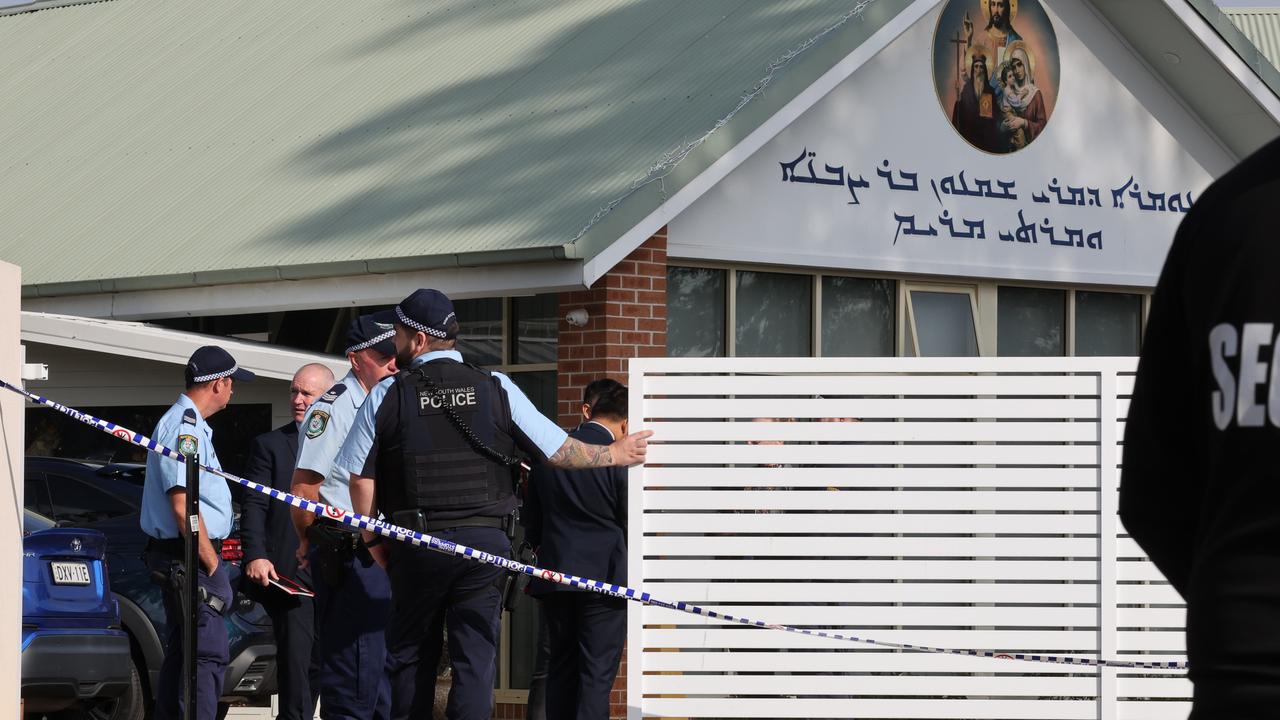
x: 318, y: 423
x: 188, y: 444
x: 333, y: 394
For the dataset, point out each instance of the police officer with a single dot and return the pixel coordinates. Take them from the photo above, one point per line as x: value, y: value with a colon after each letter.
x: 1199, y: 491
x: 210, y: 375
x: 353, y: 595
x: 431, y: 449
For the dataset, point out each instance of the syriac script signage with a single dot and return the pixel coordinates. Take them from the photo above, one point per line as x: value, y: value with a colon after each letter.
x: 1129, y: 195
x: 1059, y: 173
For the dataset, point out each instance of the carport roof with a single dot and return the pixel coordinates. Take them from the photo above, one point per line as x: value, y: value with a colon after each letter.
x: 151, y: 342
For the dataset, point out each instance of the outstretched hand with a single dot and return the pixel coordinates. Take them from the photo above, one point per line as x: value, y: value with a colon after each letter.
x: 630, y: 450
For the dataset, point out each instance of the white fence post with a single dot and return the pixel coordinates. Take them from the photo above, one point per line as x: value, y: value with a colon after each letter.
x: 1108, y: 521
x: 12, y: 430
x: 635, y: 543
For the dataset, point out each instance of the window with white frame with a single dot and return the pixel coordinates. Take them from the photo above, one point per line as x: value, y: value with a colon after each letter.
x: 1032, y: 322
x: 858, y: 316
x: 772, y: 314
x: 1107, y: 323
x: 942, y: 321
x: 718, y: 312
x: 696, y: 312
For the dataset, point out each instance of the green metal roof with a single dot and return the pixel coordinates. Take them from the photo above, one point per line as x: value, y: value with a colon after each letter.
x: 1262, y: 26
x: 150, y: 145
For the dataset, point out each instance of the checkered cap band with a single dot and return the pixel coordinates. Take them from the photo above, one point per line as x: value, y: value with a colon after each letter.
x: 215, y: 376
x: 371, y: 341
x: 423, y: 328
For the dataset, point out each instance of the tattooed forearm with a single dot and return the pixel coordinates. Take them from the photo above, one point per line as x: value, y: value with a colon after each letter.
x: 575, y: 454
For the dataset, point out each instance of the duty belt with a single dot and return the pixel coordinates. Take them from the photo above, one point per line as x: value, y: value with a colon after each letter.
x: 331, y: 537
x: 177, y: 547
x: 416, y: 519
x: 478, y: 521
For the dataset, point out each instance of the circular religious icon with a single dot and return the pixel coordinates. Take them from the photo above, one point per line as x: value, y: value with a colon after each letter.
x: 996, y: 70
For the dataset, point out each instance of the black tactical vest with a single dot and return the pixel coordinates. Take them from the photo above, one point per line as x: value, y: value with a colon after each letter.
x: 437, y: 469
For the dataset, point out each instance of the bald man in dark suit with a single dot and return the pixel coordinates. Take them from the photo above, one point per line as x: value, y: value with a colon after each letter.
x: 269, y: 542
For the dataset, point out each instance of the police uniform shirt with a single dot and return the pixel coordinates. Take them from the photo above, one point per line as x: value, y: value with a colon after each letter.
x: 164, y: 474
x: 534, y: 432
x: 323, y: 429
x: 1200, y: 488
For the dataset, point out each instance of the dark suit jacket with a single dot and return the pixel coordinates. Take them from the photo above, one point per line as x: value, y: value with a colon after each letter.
x: 577, y: 519
x: 266, y: 528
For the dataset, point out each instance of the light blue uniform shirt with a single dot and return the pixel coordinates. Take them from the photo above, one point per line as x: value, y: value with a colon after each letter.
x: 322, y: 432
x: 355, y: 451
x: 163, y: 475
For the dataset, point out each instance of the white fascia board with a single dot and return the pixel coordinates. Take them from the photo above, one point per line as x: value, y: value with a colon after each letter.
x: 593, y: 269
x: 164, y: 345
x: 1205, y: 33
x: 346, y: 291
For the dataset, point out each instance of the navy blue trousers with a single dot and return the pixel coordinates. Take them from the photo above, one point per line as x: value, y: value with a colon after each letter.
x: 428, y: 587
x: 351, y: 621
x: 586, y: 631
x: 212, y: 652
x: 297, y: 655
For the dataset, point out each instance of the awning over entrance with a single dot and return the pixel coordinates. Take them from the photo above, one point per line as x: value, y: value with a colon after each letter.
x: 149, y: 342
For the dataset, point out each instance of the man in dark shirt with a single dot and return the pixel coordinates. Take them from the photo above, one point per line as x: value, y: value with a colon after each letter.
x: 1200, y: 491
x: 577, y: 521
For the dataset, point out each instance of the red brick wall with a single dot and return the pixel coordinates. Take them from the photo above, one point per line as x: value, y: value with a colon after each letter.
x: 628, y: 318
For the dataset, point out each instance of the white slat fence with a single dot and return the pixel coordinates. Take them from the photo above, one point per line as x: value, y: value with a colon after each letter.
x: 957, y: 502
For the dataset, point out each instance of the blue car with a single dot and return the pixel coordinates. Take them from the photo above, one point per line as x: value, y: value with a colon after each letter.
x: 74, y: 650
x: 107, y: 498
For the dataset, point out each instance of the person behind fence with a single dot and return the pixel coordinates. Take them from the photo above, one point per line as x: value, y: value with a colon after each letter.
x: 353, y: 595
x: 577, y: 522
x: 270, y: 545
x: 536, y: 708
x: 1199, y: 490
x: 210, y: 375
x: 433, y: 449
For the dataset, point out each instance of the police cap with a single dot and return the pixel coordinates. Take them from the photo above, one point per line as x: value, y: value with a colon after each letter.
x: 373, y: 331
x: 430, y: 312
x: 211, y: 363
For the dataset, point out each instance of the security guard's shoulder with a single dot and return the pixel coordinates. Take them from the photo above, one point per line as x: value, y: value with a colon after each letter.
x: 334, y: 393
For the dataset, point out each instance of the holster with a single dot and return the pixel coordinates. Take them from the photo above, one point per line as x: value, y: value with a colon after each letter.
x: 515, y: 584
x: 175, y: 581
x: 335, y: 546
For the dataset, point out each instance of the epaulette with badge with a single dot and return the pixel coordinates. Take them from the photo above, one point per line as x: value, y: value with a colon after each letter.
x: 319, y: 421
x: 333, y: 393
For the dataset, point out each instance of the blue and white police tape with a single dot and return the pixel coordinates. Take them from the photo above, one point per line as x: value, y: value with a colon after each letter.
x: 423, y: 540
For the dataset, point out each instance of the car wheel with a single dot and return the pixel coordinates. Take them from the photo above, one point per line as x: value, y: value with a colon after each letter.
x: 129, y: 706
